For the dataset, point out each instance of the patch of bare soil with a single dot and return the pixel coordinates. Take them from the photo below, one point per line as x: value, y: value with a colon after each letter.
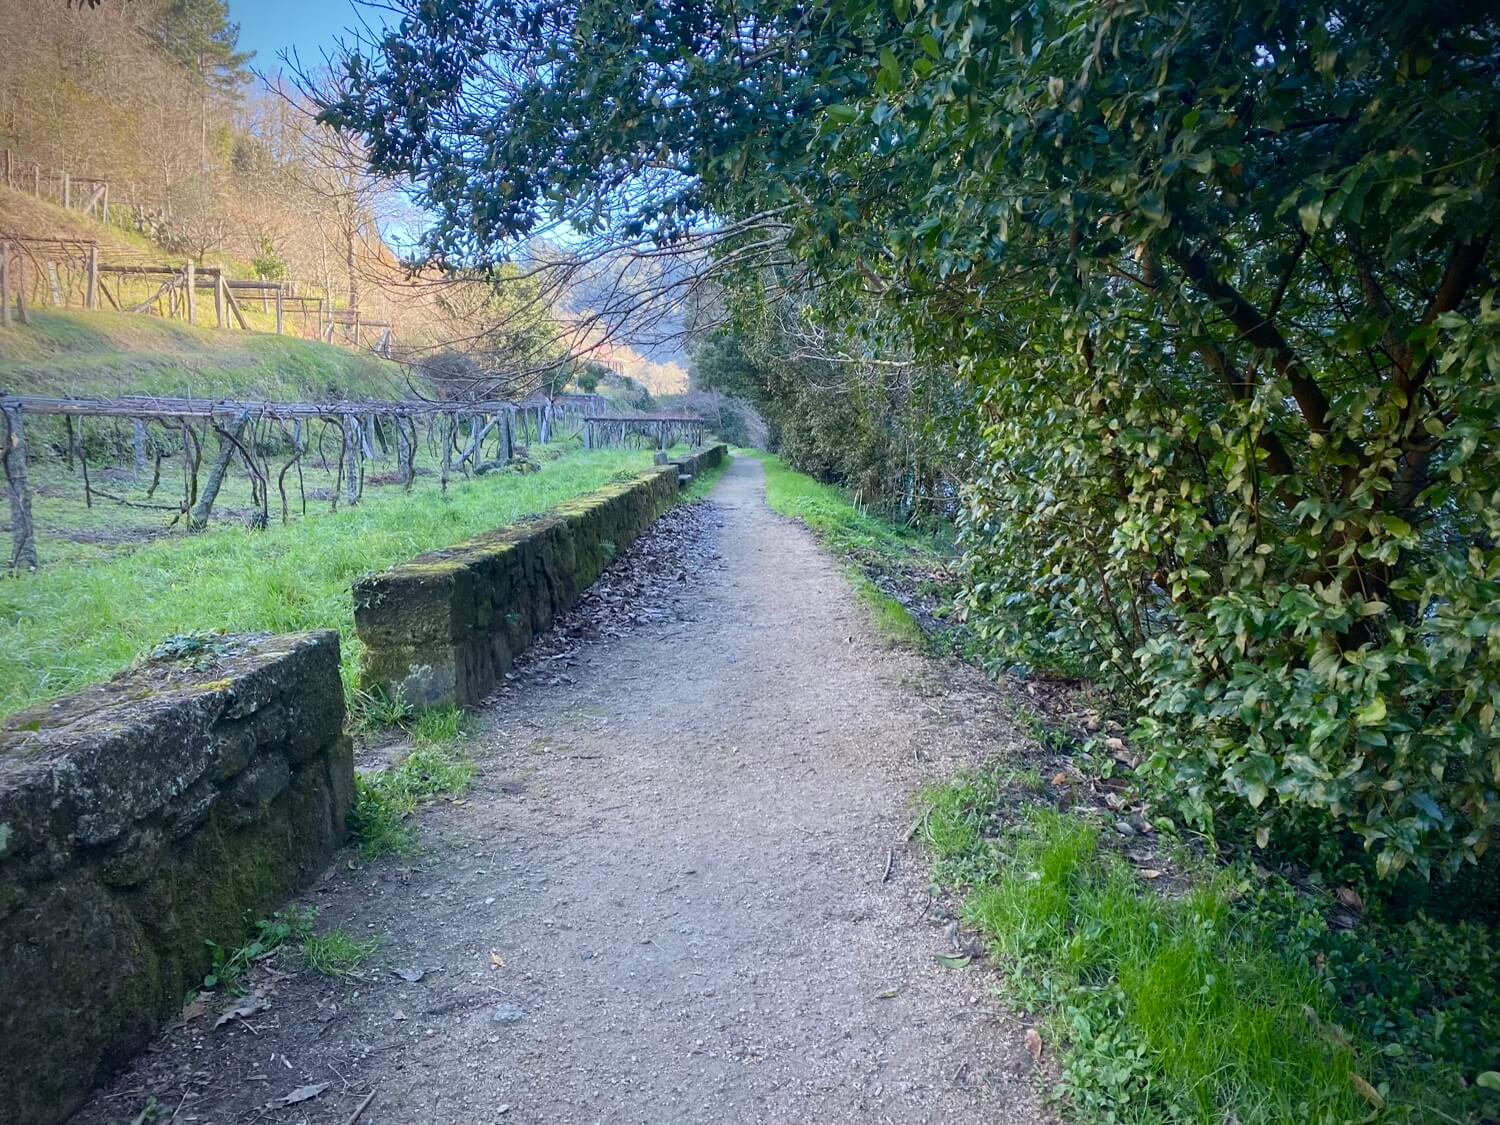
x: 682, y: 888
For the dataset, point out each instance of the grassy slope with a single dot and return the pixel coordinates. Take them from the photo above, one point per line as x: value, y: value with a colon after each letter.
x: 74, y: 624
x: 109, y: 353
x: 81, y: 353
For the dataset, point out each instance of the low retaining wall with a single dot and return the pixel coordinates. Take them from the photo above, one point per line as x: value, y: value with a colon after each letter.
x: 141, y: 819
x: 444, y: 627
x: 694, y: 463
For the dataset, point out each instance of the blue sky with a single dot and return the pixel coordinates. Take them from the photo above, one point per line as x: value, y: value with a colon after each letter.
x: 269, y: 27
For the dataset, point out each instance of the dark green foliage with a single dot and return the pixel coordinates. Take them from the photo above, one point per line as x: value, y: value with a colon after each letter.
x: 1216, y: 277
x: 199, y: 35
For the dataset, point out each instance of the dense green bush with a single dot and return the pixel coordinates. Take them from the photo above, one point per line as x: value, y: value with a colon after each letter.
x: 1218, y: 279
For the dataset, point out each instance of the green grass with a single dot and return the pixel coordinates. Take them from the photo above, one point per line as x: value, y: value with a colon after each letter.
x: 830, y: 513
x: 336, y: 954
x: 71, y: 625
x: 384, y: 801
x: 1207, y: 1003
x: 871, y: 544
x: 283, y: 928
x: 108, y: 353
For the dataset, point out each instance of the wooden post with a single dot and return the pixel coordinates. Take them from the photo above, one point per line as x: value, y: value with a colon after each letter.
x: 10, y: 169
x: 449, y: 422
x: 190, y: 280
x: 138, y: 445
x: 13, y: 456
x: 404, y: 452
x: 92, y: 294
x: 36, y: 180
x: 67, y: 192
x: 21, y: 290
x: 198, y: 517
x: 105, y: 213
x: 5, y: 278
x: 351, y: 459
x: 219, y: 321
x: 278, y: 310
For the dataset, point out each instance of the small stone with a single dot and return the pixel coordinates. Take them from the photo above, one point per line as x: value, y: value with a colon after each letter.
x: 508, y: 1014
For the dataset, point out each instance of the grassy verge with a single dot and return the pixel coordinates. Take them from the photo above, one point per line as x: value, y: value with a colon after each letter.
x: 1226, y: 996
x: 71, y: 625
x: 875, y: 548
x: 705, y: 481
x: 332, y: 953
x: 379, y: 823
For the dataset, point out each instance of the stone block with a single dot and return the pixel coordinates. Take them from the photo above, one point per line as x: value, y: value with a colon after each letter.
x: 140, y: 820
x: 444, y: 627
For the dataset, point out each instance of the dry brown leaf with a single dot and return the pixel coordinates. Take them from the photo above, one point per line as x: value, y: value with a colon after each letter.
x: 246, y: 1007
x: 300, y: 1094
x: 1349, y: 897
x: 496, y: 961
x: 1034, y: 1043
x: 1366, y: 1091
x: 192, y: 1011
x: 1149, y: 873
x: 1060, y: 778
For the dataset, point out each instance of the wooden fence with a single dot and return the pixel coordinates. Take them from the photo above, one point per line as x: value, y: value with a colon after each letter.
x: 55, y: 272
x: 88, y: 195
x: 604, y: 431
x: 270, y: 440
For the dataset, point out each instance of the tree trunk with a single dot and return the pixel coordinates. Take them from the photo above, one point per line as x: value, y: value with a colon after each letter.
x: 198, y: 517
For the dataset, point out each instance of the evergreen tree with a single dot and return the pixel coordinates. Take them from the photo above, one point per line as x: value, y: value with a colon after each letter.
x: 199, y: 35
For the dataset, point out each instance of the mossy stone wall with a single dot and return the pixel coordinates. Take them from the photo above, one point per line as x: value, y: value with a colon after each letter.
x: 140, y: 820
x: 444, y: 627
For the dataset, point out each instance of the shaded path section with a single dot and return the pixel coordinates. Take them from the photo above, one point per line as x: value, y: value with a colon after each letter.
x: 664, y: 901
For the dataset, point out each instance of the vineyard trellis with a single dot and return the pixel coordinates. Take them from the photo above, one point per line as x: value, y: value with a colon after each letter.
x: 605, y: 431
x: 270, y: 440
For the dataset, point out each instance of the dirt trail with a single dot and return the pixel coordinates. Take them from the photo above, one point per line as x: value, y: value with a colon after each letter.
x: 676, y: 849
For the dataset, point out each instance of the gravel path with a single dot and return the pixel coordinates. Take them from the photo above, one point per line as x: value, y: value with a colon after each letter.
x: 665, y: 898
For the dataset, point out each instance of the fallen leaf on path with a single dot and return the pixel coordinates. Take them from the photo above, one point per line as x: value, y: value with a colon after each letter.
x: 952, y: 960
x: 1060, y: 778
x: 889, y: 993
x: 300, y: 1094
x: 412, y: 975
x: 1149, y: 873
x: 1034, y: 1043
x: 1349, y: 897
x: 246, y: 1007
x: 496, y: 961
x: 1366, y: 1091
x: 192, y: 1011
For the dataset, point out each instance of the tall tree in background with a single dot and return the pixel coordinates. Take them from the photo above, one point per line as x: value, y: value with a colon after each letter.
x: 200, y: 35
